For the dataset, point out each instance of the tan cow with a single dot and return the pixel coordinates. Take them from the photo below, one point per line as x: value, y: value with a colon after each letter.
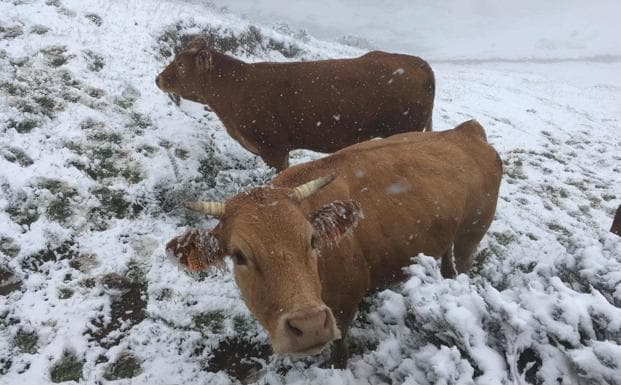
x: 273, y: 108
x: 305, y: 253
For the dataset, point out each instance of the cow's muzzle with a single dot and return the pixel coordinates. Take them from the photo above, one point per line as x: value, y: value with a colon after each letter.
x: 305, y: 332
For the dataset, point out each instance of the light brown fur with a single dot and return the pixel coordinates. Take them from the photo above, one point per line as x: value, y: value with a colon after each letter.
x: 273, y: 108
x: 432, y: 193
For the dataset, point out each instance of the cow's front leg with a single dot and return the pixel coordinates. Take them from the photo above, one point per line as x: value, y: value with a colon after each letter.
x: 340, y: 354
x: 340, y: 350
x: 279, y: 160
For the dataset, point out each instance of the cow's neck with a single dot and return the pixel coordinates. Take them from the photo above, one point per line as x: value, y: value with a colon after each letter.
x: 223, y: 91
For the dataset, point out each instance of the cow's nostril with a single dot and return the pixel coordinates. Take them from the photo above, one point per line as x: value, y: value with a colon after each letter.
x: 157, y: 80
x: 308, y: 322
x: 296, y: 332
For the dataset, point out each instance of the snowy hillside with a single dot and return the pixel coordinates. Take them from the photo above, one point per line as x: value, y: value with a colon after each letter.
x: 95, y: 160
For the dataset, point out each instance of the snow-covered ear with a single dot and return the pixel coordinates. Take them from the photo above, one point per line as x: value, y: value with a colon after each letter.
x: 334, y: 221
x: 204, y: 60
x: 196, y: 250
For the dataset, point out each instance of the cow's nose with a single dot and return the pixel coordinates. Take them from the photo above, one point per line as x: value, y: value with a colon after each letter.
x: 308, y: 323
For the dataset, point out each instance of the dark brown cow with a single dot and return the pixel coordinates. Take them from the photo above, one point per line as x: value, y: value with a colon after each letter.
x: 305, y: 254
x: 273, y: 108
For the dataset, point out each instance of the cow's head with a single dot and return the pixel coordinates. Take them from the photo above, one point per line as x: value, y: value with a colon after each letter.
x: 191, y: 69
x: 275, y: 248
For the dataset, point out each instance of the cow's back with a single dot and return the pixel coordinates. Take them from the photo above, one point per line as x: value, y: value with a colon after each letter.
x: 326, y: 105
x: 416, y: 190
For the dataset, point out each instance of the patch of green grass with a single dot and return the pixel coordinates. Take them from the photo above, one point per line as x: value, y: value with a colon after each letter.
x: 251, y: 41
x: 95, y: 61
x: 60, y: 208
x: 67, y: 368
x: 212, y: 321
x: 106, y: 137
x: 55, y: 55
x: 11, y: 32
x: 479, y: 261
x: 70, y: 96
x: 147, y: 150
x: 505, y: 238
x: 23, y: 126
x: 94, y: 18
x: 22, y: 212
x: 105, y: 158
x: 113, y: 202
x: 84, y: 263
x: 19, y: 61
x: 39, y: 29
x: 181, y: 153
x: 68, y: 79
x: 89, y: 123
x: 209, y: 167
x: 138, y: 122
x: 126, y: 366
x: 8, y: 246
x: 595, y: 200
x: 16, y: 155
x: 13, y: 89
x: 88, y: 283
x: 243, y: 325
x: 359, y: 345
x: 513, y: 167
x: 25, y: 106
x: 67, y: 250
x: 164, y: 295
x: 564, y: 235
x: 95, y: 92
x: 26, y: 341
x: 135, y: 272
x: 127, y: 307
x: 8, y: 281
x: 608, y: 197
x: 132, y: 173
x: 65, y: 293
x: 45, y: 102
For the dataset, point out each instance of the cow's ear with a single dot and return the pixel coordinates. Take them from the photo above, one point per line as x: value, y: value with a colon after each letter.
x: 335, y: 220
x: 204, y: 60
x: 196, y: 250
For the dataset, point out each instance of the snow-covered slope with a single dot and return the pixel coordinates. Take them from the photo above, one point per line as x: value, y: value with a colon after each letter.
x: 94, y: 161
x: 449, y: 29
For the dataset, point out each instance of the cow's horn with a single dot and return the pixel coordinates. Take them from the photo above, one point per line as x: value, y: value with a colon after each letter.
x: 309, y: 188
x: 215, y: 209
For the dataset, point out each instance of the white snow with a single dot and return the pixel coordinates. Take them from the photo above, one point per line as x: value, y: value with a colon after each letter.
x: 95, y: 188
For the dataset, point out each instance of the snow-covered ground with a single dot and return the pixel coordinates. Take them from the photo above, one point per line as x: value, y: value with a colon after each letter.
x: 94, y: 161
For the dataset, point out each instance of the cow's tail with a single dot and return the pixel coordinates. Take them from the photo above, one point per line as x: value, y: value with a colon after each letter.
x: 431, y: 91
x: 429, y: 125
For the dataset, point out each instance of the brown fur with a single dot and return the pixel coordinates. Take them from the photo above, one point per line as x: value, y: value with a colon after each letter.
x: 432, y: 193
x: 273, y: 108
x: 616, y: 223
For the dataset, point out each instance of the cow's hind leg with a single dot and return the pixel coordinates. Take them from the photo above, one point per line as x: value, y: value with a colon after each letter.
x: 465, y: 246
x: 447, y: 265
x: 279, y: 161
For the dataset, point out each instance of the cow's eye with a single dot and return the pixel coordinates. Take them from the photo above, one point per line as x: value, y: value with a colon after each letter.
x: 239, y: 258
